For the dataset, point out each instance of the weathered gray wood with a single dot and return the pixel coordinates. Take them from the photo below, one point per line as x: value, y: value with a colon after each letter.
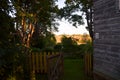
x: 107, y: 46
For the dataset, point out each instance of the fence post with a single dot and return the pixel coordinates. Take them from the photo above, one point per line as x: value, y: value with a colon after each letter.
x: 45, y: 62
x: 88, y: 64
x: 37, y: 63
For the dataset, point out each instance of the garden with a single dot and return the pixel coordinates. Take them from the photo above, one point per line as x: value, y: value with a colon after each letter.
x: 28, y: 48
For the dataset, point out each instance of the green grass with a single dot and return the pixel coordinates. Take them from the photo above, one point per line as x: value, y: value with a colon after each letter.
x: 73, y: 69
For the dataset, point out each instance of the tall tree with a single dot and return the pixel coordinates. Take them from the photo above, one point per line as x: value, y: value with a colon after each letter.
x: 34, y: 16
x: 6, y: 24
x: 8, y: 47
x: 75, y: 10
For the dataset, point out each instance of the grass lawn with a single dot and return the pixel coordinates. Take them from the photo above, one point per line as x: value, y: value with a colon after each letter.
x: 73, y: 69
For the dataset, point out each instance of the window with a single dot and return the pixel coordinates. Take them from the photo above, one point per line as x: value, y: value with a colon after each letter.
x: 119, y: 5
x: 97, y: 35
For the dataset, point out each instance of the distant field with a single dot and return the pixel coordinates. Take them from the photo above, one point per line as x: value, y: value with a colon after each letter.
x: 77, y: 37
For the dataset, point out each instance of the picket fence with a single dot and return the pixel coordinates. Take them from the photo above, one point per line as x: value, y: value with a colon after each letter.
x: 37, y: 61
x: 88, y: 64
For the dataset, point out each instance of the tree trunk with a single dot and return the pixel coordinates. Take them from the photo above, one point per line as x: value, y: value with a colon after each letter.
x: 89, y: 18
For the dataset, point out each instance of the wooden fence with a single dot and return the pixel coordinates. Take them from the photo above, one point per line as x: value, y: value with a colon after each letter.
x: 55, y: 67
x: 88, y: 64
x: 37, y: 62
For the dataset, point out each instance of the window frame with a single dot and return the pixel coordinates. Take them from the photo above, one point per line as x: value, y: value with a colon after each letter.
x: 118, y: 6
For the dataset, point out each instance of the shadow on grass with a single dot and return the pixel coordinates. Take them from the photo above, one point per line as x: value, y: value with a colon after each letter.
x: 74, y: 70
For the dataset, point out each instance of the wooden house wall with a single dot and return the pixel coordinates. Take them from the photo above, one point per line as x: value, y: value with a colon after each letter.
x: 107, y: 38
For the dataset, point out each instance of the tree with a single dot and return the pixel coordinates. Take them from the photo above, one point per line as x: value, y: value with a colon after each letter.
x: 8, y: 42
x: 85, y: 38
x: 68, y: 41
x: 43, y: 41
x: 84, y: 7
x: 50, y: 40
x: 68, y: 44
x: 34, y: 16
x: 6, y: 25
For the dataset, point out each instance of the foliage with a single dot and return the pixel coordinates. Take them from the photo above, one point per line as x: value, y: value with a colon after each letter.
x: 27, y: 17
x: 76, y: 10
x: 34, y: 16
x: 6, y: 29
x: 43, y: 41
x: 37, y: 42
x: 85, y: 38
x: 87, y: 47
x: 33, y: 21
x: 33, y: 49
x: 71, y: 50
x: 12, y: 62
x: 5, y: 6
x: 58, y: 47
x: 68, y: 43
x: 50, y: 40
x: 7, y: 41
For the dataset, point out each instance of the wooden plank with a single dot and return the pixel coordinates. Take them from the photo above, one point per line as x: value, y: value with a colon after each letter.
x: 88, y: 64
x: 88, y: 57
x: 54, y: 72
x: 45, y: 62
x: 41, y: 66
x: 33, y: 62
x: 91, y: 64
x: 48, y: 53
x: 29, y: 58
x: 37, y: 63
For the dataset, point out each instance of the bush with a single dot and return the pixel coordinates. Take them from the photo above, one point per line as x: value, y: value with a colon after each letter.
x: 13, y: 63
x: 48, y: 49
x: 86, y: 48
x: 58, y: 47
x: 35, y: 49
x: 78, y: 51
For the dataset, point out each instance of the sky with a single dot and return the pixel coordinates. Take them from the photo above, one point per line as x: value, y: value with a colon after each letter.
x: 66, y: 28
